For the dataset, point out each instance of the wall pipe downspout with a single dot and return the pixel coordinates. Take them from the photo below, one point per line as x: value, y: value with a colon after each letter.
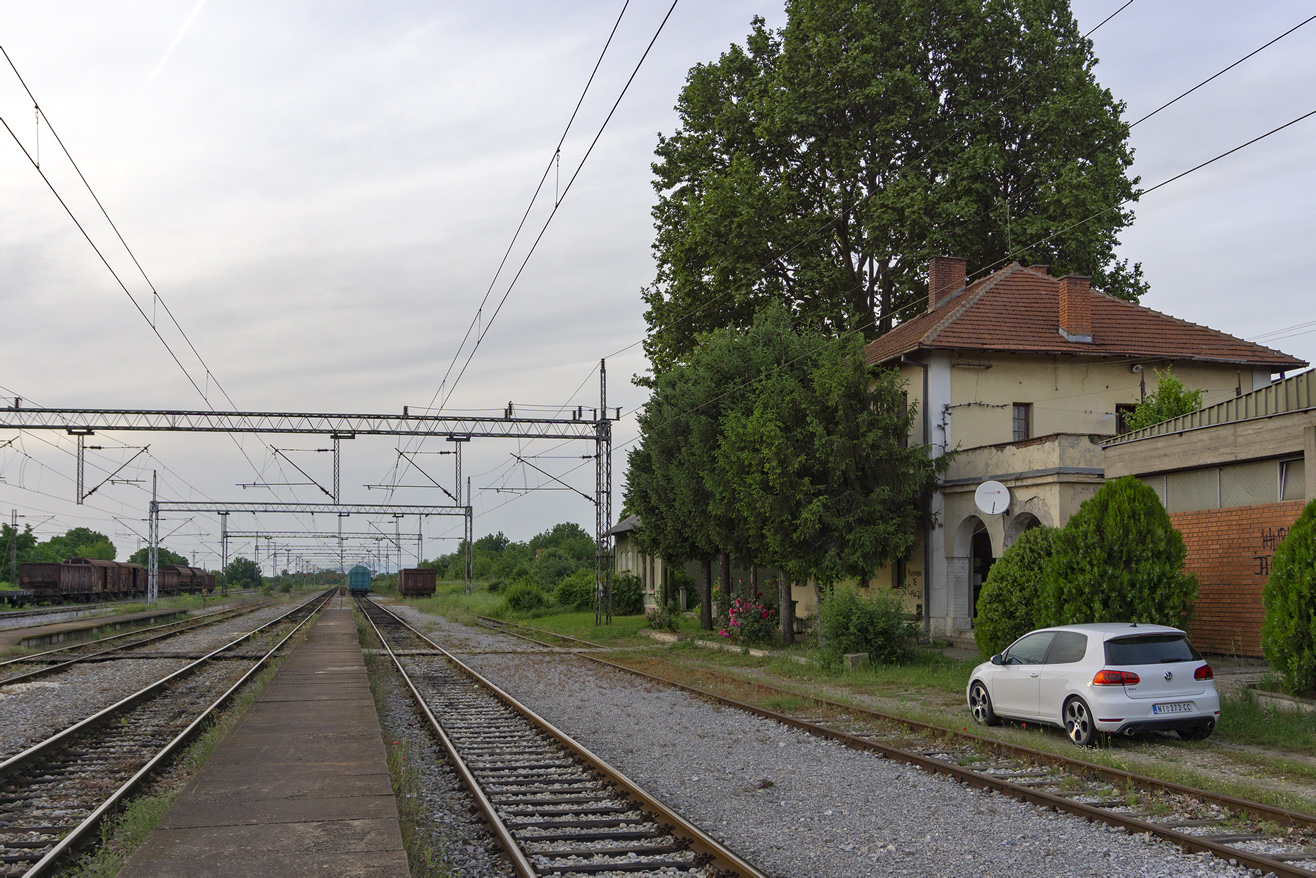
x: 927, y: 530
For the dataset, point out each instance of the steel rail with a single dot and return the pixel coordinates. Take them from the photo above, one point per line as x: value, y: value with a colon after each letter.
x: 698, y: 840
x: 19, y: 760
x: 979, y: 780
x: 517, y: 858
x: 79, y: 832
x: 202, y: 622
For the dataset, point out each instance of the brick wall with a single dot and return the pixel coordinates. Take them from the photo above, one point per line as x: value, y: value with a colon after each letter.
x: 1230, y: 551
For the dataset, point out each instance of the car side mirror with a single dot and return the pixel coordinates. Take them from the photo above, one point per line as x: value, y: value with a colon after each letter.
x: 998, y: 659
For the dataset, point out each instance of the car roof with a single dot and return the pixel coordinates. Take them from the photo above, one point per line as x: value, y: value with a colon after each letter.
x: 1107, y: 630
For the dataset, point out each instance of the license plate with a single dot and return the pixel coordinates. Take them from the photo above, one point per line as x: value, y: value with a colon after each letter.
x: 1176, y: 707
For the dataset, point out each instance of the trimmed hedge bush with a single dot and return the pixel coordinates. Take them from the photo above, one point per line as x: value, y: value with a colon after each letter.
x: 849, y: 622
x: 1119, y: 560
x: 1008, y: 604
x: 1288, y: 635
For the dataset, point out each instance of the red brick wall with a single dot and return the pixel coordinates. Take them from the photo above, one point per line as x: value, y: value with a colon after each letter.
x: 1230, y: 551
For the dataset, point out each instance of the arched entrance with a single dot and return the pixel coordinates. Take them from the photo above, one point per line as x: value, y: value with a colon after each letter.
x: 1017, y: 525
x: 968, y: 567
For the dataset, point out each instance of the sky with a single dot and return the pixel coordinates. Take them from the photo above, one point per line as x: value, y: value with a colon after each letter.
x: 321, y: 195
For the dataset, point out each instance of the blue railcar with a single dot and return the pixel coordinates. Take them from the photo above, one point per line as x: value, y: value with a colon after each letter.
x: 358, y: 580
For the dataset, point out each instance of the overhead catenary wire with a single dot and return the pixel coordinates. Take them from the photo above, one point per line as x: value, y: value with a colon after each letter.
x: 691, y: 312
x: 156, y: 297
x: 484, y: 330
x: 1179, y: 176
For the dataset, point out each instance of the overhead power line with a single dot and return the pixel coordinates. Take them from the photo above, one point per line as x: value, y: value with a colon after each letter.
x: 485, y: 327
x: 741, y: 386
x: 822, y: 228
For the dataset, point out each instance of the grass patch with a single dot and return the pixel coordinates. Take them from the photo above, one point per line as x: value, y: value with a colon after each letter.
x: 1244, y: 721
x: 124, y: 832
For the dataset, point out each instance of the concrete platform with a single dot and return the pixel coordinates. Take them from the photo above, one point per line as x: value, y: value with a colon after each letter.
x: 57, y: 632
x: 299, y: 787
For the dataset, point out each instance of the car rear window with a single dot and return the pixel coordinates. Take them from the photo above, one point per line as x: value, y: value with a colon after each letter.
x: 1150, y: 649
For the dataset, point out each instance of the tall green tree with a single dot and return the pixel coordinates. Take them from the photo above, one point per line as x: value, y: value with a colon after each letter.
x: 18, y: 546
x: 242, y: 573
x: 780, y: 448
x: 162, y: 555
x: 79, y: 542
x: 1170, y: 400
x: 818, y: 469
x: 668, y: 474
x: 823, y: 164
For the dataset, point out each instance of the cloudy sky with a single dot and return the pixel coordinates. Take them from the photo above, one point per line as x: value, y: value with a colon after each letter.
x: 321, y: 193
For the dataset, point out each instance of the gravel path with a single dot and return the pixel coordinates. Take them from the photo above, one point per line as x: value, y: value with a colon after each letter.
x: 797, y: 805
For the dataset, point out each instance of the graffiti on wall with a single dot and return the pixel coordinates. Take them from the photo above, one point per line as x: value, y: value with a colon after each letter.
x: 1270, y: 538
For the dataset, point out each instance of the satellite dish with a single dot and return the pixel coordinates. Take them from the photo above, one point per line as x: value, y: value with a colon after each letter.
x: 992, y: 498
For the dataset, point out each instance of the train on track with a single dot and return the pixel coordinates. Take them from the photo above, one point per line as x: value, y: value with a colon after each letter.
x: 358, y: 580
x: 416, y: 582
x: 88, y: 579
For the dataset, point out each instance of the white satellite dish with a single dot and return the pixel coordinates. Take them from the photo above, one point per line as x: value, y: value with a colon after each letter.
x: 992, y: 498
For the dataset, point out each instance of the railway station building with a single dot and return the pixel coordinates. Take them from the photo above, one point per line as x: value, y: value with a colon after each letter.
x: 1026, y: 376
x: 1233, y: 477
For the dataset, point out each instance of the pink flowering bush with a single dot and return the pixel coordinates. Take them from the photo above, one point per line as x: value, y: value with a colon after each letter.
x: 749, y: 621
x: 661, y: 618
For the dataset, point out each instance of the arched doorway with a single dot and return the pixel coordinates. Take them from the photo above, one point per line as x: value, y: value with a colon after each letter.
x: 1017, y: 525
x: 967, y: 568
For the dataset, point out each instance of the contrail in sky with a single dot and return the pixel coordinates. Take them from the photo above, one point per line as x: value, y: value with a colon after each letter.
x: 196, y: 10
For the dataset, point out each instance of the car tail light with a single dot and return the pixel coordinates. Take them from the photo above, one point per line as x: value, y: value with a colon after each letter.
x: 1107, y: 677
x: 1204, y: 673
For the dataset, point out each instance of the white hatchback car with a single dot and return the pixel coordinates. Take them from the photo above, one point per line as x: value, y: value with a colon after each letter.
x: 1106, y: 677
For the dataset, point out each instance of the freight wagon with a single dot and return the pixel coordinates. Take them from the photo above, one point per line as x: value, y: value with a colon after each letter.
x: 416, y: 582
x: 358, y: 580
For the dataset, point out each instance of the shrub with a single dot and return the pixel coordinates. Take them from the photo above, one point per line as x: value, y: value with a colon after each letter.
x: 750, y: 621
x: 1119, y: 560
x: 662, y: 618
x: 553, y: 565
x: 848, y: 622
x: 525, y: 596
x: 576, y: 591
x: 1008, y: 604
x: 627, y: 598
x: 1288, y: 635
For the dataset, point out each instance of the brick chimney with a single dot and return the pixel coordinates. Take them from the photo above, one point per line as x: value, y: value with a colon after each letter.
x: 946, y: 275
x: 1076, y: 308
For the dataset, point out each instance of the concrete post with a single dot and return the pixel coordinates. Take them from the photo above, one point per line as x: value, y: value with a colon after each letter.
x: 1309, y: 459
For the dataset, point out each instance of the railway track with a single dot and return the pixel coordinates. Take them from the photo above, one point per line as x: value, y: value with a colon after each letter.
x: 54, y: 794
x: 61, y: 658
x: 1252, y: 834
x: 555, y: 807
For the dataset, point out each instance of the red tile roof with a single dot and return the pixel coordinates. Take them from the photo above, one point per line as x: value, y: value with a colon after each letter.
x: 1018, y: 309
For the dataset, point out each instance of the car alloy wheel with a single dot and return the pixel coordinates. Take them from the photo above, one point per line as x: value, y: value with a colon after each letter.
x: 980, y: 703
x: 1078, y: 722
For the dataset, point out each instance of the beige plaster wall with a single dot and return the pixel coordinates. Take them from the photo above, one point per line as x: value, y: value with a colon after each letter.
x: 1068, y: 394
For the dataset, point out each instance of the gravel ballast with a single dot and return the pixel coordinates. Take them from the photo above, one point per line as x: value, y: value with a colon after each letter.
x: 797, y: 805
x: 32, y: 711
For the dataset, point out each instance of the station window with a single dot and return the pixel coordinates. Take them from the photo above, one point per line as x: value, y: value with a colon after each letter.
x: 1122, y: 410
x: 1023, y: 421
